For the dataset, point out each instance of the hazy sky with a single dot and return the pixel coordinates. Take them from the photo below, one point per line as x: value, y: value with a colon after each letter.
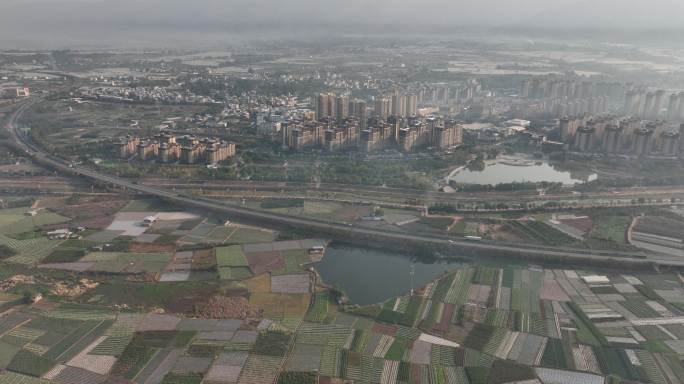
x: 420, y: 11
x: 406, y: 9
x: 426, y: 12
x: 63, y: 22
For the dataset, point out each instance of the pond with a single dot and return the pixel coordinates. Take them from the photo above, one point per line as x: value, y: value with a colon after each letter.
x: 370, y: 276
x: 514, y: 172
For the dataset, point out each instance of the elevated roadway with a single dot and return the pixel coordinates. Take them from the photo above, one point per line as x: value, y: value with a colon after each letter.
x: 348, y: 233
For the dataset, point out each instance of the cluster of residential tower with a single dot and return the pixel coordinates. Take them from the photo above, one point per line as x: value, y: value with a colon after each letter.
x: 342, y: 124
x: 166, y: 148
x: 629, y: 136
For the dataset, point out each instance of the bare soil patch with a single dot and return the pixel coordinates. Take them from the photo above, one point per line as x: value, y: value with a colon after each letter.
x: 224, y: 307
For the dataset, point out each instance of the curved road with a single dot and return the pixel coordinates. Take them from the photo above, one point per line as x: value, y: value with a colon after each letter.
x: 341, y: 231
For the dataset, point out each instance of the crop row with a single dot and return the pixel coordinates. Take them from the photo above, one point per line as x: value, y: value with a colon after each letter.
x: 318, y: 312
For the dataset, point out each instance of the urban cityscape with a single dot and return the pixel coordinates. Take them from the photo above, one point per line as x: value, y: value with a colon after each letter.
x: 394, y: 192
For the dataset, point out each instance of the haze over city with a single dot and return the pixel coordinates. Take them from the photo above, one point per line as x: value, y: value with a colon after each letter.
x: 341, y: 192
x: 73, y: 22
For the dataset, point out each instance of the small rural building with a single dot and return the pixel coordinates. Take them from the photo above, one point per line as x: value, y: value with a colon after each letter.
x: 59, y: 234
x: 149, y: 221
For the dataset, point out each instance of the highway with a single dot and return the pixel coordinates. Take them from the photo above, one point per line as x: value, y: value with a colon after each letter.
x: 348, y: 233
x: 417, y: 200
x: 352, y: 194
x: 407, y: 194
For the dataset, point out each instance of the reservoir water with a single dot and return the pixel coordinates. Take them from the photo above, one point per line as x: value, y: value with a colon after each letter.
x: 504, y: 173
x: 370, y: 276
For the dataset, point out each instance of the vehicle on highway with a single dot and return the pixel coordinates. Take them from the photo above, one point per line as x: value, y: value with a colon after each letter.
x: 473, y: 238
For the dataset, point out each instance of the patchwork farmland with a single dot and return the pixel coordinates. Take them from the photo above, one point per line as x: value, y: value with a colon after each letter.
x: 474, y: 325
x: 186, y: 299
